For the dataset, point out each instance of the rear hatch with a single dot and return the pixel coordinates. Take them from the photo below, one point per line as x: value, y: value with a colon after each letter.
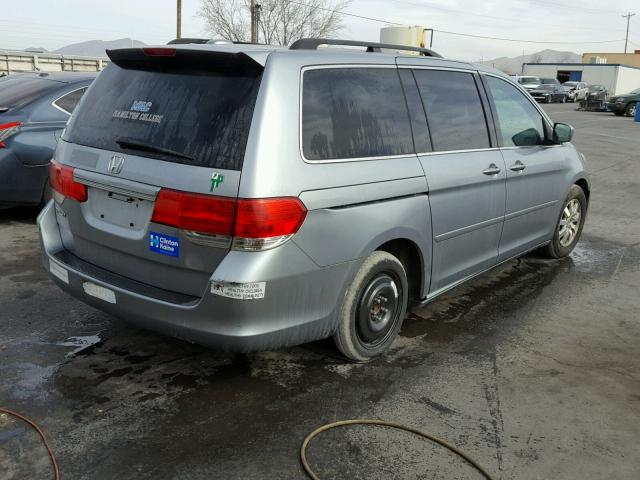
x: 158, y: 142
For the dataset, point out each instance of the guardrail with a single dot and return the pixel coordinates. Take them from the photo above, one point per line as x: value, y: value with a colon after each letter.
x: 15, y: 61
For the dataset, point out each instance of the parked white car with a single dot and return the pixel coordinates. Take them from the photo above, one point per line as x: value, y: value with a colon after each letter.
x: 528, y: 82
x: 576, y: 91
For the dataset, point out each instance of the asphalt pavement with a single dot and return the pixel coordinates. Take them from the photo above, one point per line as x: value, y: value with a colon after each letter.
x: 533, y: 369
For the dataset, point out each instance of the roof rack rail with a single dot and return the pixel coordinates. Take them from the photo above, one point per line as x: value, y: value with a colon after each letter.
x: 314, y: 43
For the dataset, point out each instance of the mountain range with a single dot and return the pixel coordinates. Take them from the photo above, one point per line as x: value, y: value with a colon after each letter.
x: 93, y: 48
x: 514, y: 64
x: 96, y: 48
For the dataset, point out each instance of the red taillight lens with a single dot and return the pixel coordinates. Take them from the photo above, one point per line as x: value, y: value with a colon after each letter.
x: 193, y: 211
x: 8, y: 129
x: 268, y: 217
x: 159, y: 52
x: 61, y: 179
x: 242, y: 218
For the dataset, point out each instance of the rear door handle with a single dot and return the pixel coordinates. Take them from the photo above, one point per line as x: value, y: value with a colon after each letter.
x: 493, y: 169
x: 518, y: 166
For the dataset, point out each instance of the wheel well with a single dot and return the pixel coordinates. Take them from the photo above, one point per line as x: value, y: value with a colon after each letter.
x: 582, y: 183
x: 409, y: 255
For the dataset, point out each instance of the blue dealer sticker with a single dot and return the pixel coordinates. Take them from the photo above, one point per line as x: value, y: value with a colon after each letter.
x: 161, y: 243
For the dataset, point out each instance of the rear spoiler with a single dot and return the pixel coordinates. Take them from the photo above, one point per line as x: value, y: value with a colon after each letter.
x: 171, y: 59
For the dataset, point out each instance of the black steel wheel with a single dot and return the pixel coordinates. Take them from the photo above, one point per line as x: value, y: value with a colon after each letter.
x: 373, y: 308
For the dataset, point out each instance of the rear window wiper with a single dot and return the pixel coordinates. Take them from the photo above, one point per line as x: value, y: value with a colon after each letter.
x: 146, y: 147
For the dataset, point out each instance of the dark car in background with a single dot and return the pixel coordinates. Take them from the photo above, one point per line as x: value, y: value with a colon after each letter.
x: 549, y: 91
x: 625, y: 104
x: 34, y: 109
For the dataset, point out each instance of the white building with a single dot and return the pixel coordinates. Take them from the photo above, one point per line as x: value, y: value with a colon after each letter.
x: 616, y: 78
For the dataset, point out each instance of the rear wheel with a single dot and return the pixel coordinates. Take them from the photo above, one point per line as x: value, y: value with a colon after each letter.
x: 570, y: 223
x: 373, y: 308
x: 631, y: 110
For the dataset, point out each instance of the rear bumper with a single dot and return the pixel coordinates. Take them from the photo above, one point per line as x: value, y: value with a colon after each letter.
x: 20, y: 184
x: 300, y: 305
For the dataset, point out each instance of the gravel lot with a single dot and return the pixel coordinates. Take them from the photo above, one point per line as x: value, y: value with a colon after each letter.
x: 533, y: 369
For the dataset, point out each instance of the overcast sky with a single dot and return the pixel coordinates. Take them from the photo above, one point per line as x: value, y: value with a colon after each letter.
x: 51, y: 25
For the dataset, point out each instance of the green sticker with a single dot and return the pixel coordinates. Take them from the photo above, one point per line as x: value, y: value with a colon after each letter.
x: 216, y: 180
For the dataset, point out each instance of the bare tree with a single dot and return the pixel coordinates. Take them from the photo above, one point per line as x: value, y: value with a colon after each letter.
x: 280, y: 21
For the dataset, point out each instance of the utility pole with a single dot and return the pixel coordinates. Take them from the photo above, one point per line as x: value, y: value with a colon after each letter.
x: 626, y: 40
x: 179, y: 19
x: 254, y: 23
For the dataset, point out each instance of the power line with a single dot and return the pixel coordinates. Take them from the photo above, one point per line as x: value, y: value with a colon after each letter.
x: 526, y: 41
x: 333, y: 10
x: 575, y: 7
x: 493, y: 17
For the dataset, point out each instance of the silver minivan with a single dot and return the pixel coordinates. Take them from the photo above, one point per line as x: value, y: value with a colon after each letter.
x: 251, y: 197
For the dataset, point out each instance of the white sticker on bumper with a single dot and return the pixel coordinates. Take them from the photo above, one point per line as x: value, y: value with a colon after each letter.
x: 99, y: 292
x: 239, y: 291
x: 59, y: 272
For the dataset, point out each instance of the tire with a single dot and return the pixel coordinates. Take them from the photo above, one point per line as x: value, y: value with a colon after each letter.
x: 548, y: 99
x: 362, y: 334
x: 630, y: 111
x: 560, y: 246
x: 564, y: 99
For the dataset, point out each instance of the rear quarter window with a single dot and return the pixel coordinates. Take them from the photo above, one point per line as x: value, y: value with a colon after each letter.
x: 354, y: 113
x: 67, y: 103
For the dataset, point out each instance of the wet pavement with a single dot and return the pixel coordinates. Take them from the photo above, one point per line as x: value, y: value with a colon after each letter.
x: 532, y: 369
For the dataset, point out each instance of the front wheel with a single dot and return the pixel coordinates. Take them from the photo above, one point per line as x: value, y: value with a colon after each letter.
x: 373, y: 308
x: 569, y: 226
x: 548, y: 99
x: 631, y: 110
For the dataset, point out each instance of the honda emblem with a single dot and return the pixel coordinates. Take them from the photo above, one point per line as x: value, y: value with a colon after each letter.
x: 115, y: 164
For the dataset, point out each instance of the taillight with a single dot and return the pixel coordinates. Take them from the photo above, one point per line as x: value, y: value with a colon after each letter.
x: 196, y: 212
x: 6, y: 130
x: 254, y: 224
x: 159, y: 52
x: 61, y: 179
x: 263, y: 223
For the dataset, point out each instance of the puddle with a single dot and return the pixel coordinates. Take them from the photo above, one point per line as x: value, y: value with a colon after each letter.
x: 31, y: 380
x: 6, y: 435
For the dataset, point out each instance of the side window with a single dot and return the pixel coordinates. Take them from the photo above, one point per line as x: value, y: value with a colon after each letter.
x: 419, y: 126
x: 69, y: 102
x: 519, y: 122
x: 354, y: 113
x: 454, y: 110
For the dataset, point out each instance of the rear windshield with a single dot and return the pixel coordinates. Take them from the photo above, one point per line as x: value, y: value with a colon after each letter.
x: 528, y: 80
x: 194, y: 117
x: 16, y: 91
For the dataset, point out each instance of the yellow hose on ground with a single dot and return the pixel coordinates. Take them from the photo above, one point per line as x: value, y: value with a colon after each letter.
x: 341, y: 423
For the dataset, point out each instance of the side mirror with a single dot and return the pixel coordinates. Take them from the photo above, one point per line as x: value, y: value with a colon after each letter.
x: 562, y: 133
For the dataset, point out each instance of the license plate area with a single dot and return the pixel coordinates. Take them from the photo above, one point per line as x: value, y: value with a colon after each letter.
x: 122, y: 210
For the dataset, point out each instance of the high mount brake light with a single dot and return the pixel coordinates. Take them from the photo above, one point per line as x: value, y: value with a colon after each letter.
x: 7, y: 130
x: 254, y: 224
x: 61, y: 179
x: 159, y: 52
